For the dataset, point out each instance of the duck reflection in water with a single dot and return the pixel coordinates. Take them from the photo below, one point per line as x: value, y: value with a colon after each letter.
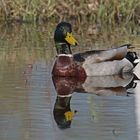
x: 62, y: 111
x: 101, y: 86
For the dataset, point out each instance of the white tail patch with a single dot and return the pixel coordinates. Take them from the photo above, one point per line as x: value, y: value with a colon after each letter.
x: 137, y: 70
x: 137, y: 61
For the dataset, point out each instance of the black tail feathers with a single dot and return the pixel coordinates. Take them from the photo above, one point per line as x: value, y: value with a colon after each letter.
x: 128, y: 45
x: 132, y: 56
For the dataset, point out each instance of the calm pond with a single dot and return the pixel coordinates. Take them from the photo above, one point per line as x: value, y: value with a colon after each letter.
x: 31, y: 105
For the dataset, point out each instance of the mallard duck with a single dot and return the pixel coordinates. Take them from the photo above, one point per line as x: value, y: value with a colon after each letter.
x: 90, y: 63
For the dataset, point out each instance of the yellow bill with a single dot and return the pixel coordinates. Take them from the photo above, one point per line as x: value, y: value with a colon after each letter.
x: 70, y: 39
x: 69, y: 115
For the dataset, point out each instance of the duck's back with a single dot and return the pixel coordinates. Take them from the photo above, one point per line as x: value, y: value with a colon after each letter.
x: 96, y: 56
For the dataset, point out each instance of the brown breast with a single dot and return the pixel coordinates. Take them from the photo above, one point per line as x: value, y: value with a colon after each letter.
x: 65, y: 66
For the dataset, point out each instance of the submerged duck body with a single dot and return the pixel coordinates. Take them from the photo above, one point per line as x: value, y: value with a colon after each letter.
x: 90, y: 63
x: 98, y: 85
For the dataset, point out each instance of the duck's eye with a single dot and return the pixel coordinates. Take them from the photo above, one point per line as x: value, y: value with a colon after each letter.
x: 64, y: 30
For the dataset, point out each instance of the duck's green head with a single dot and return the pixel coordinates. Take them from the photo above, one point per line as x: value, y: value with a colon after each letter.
x: 63, y: 38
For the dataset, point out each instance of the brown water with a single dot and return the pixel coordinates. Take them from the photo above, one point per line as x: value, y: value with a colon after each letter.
x: 31, y: 104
